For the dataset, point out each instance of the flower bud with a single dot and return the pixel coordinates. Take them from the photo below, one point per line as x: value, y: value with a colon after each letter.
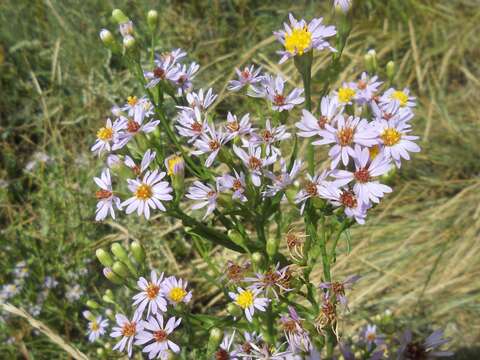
x: 92, y: 304
x: 119, y: 252
x: 100, y: 352
x: 236, y: 237
x: 216, y: 336
x: 120, y: 269
x: 152, y: 19
x: 176, y: 170
x: 104, y: 257
x: 234, y: 310
x: 257, y: 258
x: 126, y: 28
x: 108, y: 297
x: 107, y: 38
x: 390, y: 68
x: 129, y: 42
x: 119, y: 16
x: 110, y: 275
x: 272, y: 247
x: 371, y: 61
x: 137, y: 252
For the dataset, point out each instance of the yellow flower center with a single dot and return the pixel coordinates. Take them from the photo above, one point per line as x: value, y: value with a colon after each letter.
x: 401, y: 97
x: 299, y: 40
x: 245, y: 299
x: 177, y: 294
x: 94, y: 326
x: 105, y: 133
x: 144, y: 192
x: 390, y: 136
x: 172, y: 164
x: 132, y: 100
x: 374, y: 150
x: 345, y: 94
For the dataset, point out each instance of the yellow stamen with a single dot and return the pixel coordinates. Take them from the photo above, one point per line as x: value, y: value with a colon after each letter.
x: 177, y: 294
x: 345, y: 94
x: 390, y: 136
x: 374, y: 150
x: 144, y: 192
x: 245, y: 299
x: 401, y: 97
x: 172, y: 164
x: 132, y: 100
x: 299, y: 40
x: 94, y: 326
x: 105, y: 133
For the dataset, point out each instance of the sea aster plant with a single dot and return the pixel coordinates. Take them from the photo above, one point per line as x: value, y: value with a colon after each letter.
x: 150, y: 296
x: 156, y: 334
x: 126, y: 330
x: 106, y: 199
x: 249, y: 300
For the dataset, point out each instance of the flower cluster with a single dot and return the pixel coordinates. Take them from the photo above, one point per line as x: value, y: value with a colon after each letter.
x: 174, y: 153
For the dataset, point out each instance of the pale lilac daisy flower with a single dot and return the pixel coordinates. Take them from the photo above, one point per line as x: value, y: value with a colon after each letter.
x: 134, y: 103
x: 366, y: 88
x: 150, y: 297
x: 353, y: 208
x: 345, y: 135
x: 298, y: 37
x: 245, y: 349
x: 205, y: 195
x: 165, y: 69
x: 235, y: 183
x: 269, y: 136
x: 185, y: 76
x: 175, y: 290
x: 273, y: 280
x: 297, y: 337
x: 147, y: 159
x: 105, y: 197
x: 254, y: 162
x: 127, y: 330
x: 148, y: 192
x: 156, y: 333
x: 210, y: 142
x: 96, y: 326
x: 200, y: 99
x: 393, y: 97
x: 423, y: 349
x: 311, y: 188
x: 394, y: 138
x: 266, y: 352
x: 247, y: 76
x: 190, y: 124
x: 238, y: 128
x: 371, y: 337
x: 338, y: 288
x: 225, y: 351
x: 273, y: 91
x: 366, y: 187
x: 283, y: 180
x: 249, y: 300
x: 106, y: 136
x: 132, y: 127
x: 309, y: 125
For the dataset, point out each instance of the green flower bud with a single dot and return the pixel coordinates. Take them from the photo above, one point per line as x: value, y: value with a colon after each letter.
x: 216, y: 336
x: 107, y: 38
x: 119, y: 16
x: 92, y: 304
x: 371, y: 61
x: 257, y: 258
x: 152, y: 19
x: 129, y: 42
x: 234, y: 310
x: 176, y: 170
x: 110, y: 275
x: 390, y: 68
x: 120, y: 269
x: 236, y: 237
x: 119, y: 252
x: 272, y: 247
x: 100, y: 352
x: 137, y: 252
x: 104, y: 257
x: 108, y: 297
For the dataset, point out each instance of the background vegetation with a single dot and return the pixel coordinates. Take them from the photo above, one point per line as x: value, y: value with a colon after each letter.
x: 419, y: 254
